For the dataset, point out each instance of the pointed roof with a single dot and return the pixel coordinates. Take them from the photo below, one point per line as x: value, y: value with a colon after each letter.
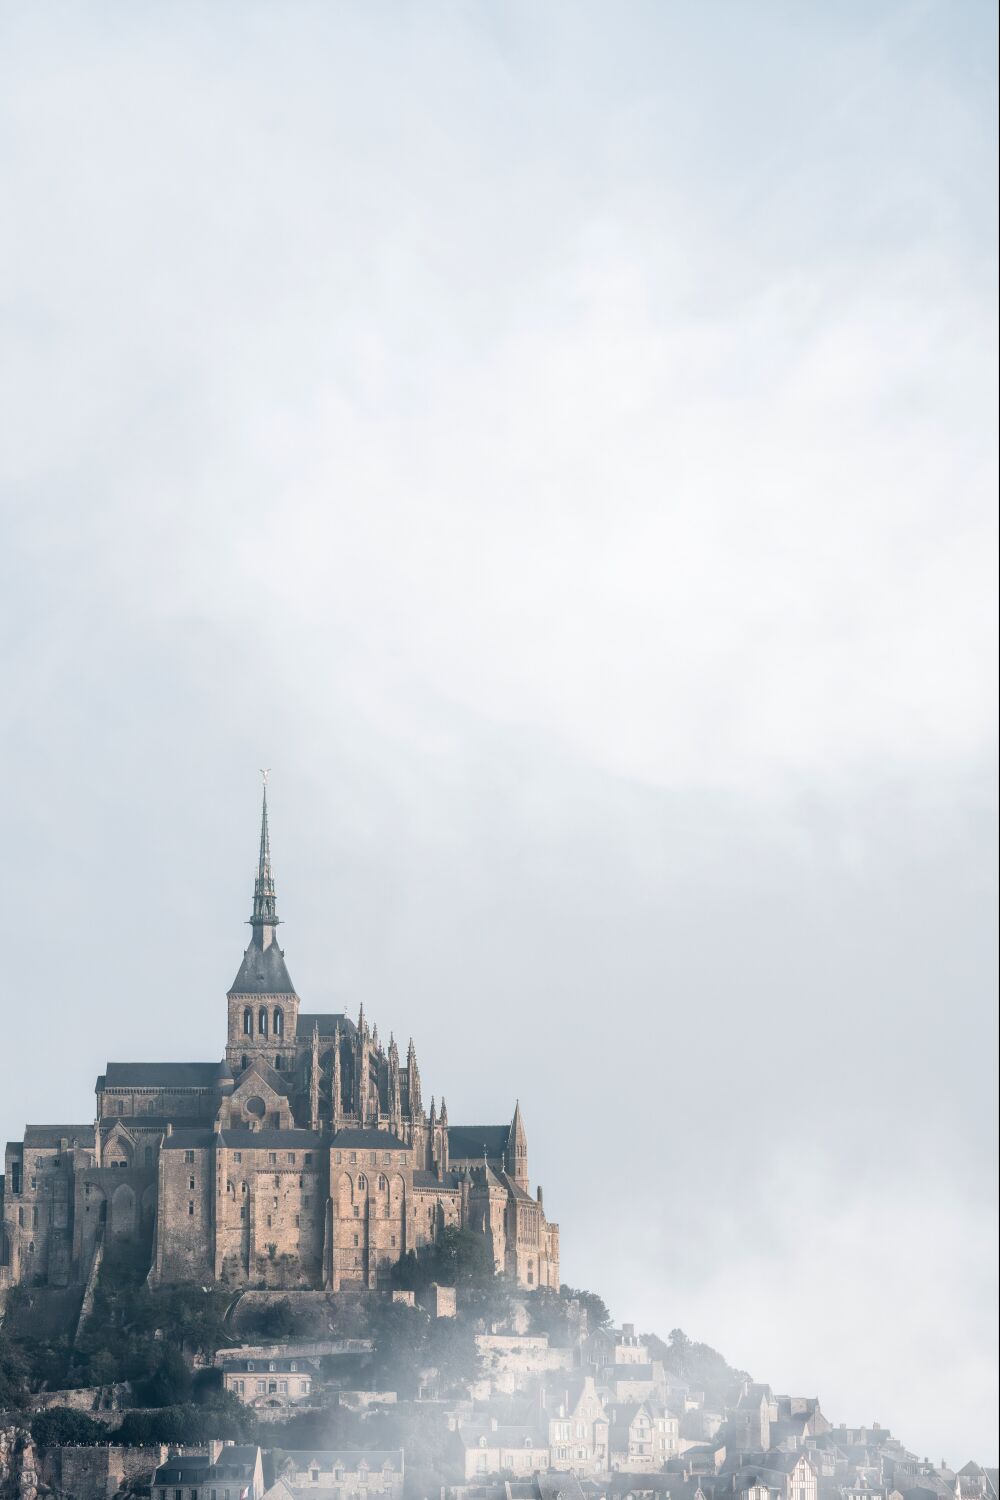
x: 263, y: 970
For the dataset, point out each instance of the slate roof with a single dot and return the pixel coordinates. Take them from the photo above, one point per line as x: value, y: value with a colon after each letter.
x: 283, y: 1364
x: 559, y: 1487
x: 169, y: 1075
x: 192, y: 1468
x: 504, y: 1435
x: 187, y: 1139
x: 326, y: 1024
x: 280, y: 1083
x: 518, y: 1192
x: 329, y: 1458
x: 262, y: 972
x: 466, y: 1142
x: 264, y: 1139
x: 135, y: 1124
x: 375, y: 1140
x: 422, y: 1179
x: 51, y: 1135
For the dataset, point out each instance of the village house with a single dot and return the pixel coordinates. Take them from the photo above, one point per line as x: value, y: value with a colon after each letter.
x: 491, y: 1447
x: 224, y: 1472
x: 337, y: 1474
x: 269, y: 1383
x: 577, y: 1425
x: 643, y: 1436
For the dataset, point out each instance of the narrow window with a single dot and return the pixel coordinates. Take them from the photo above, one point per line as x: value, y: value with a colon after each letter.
x: 279, y: 1021
x: 247, y: 1026
x: 262, y: 1021
x: 190, y: 1210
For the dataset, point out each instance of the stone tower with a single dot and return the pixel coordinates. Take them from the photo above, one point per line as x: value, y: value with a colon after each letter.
x: 518, y: 1148
x: 262, y: 1003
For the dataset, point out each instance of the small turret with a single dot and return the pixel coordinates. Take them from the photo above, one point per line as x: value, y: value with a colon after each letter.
x: 413, y: 1076
x: 336, y: 1097
x: 314, y: 1079
x: 443, y: 1131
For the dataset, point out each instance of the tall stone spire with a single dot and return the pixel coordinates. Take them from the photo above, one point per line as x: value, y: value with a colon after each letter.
x: 395, y: 1110
x: 336, y: 1101
x: 314, y: 1079
x: 517, y: 1148
x: 263, y: 970
x: 413, y: 1078
x: 265, y: 915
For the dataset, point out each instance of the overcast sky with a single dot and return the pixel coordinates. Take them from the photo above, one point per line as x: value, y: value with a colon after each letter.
x: 558, y: 439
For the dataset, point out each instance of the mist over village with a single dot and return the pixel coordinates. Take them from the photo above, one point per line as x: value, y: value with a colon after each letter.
x: 499, y: 740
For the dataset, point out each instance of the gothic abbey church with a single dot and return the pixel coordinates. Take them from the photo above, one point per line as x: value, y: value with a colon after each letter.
x: 305, y: 1159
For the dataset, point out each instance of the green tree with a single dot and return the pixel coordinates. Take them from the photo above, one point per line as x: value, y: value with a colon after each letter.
x: 594, y: 1306
x: 61, y: 1425
x: 171, y: 1381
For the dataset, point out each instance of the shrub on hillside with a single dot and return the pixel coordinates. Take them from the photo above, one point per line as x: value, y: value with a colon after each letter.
x: 60, y: 1425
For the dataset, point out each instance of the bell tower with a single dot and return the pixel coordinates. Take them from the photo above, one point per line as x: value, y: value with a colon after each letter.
x: 262, y: 1004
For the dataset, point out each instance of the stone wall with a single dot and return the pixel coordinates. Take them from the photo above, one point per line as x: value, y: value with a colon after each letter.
x: 104, y: 1403
x: 98, y: 1472
x: 311, y: 1349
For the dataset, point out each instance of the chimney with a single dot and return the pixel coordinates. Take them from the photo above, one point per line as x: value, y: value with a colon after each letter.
x: 214, y: 1449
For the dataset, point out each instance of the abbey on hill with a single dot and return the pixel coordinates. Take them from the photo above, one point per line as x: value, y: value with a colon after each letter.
x: 304, y: 1159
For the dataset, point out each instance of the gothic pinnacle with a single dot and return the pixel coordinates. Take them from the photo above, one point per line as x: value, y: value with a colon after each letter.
x: 264, y: 906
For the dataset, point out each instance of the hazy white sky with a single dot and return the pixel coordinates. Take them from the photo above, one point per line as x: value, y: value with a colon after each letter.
x: 559, y: 440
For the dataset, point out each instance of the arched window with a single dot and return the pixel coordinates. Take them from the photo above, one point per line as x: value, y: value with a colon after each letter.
x: 362, y: 1182
x: 383, y: 1184
x: 279, y: 1061
x: 262, y: 1020
x: 248, y: 1022
x: 245, y: 1062
x: 279, y: 1021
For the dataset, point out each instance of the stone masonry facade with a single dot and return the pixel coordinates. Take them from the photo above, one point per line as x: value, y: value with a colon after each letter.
x: 304, y: 1159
